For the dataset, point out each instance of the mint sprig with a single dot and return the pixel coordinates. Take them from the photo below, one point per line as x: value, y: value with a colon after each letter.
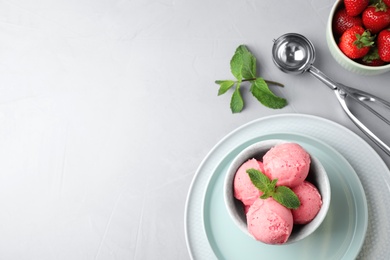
x: 282, y: 194
x: 243, y: 68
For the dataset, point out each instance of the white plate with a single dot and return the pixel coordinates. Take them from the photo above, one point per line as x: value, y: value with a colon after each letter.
x: 211, y: 234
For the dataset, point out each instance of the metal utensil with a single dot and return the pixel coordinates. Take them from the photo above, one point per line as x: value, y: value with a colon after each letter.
x: 293, y: 53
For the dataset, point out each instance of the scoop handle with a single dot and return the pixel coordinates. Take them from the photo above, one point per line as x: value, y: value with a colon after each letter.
x: 341, y: 97
x: 323, y: 78
x: 342, y: 92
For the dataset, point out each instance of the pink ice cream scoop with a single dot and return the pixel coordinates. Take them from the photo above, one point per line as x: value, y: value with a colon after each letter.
x: 244, y: 189
x: 269, y: 222
x: 287, y: 162
x: 311, y: 203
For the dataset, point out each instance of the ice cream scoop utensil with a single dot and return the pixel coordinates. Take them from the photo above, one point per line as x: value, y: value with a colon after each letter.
x: 293, y: 53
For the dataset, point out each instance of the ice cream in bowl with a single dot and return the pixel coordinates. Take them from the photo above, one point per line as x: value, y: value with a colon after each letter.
x: 276, y: 192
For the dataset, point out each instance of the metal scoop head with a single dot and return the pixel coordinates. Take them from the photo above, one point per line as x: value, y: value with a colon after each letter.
x: 293, y: 53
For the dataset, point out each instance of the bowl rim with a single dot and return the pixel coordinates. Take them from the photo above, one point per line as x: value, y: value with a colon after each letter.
x: 329, y: 29
x: 231, y: 203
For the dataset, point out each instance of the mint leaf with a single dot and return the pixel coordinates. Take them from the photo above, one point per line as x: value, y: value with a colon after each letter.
x: 236, y: 103
x: 225, y: 85
x: 243, y: 68
x: 265, y: 196
x: 286, y: 197
x: 273, y: 184
x: 243, y: 64
x: 282, y: 194
x: 236, y: 64
x: 260, y: 90
x: 261, y: 181
x: 248, y: 70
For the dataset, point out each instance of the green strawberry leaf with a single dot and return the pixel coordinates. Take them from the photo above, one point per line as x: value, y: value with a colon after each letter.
x: 260, y: 90
x: 236, y: 102
x: 380, y: 6
x: 225, y: 85
x: 364, y: 40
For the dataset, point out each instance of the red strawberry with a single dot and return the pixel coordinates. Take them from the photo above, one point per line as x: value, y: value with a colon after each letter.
x: 372, y: 58
x: 356, y: 42
x: 355, y: 7
x: 374, y: 63
x: 376, y: 17
x: 387, y: 2
x: 383, y: 43
x: 342, y: 21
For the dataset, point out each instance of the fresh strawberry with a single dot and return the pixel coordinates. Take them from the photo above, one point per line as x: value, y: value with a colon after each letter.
x: 383, y: 42
x: 376, y: 17
x: 342, y: 21
x: 387, y: 2
x: 372, y: 58
x: 355, y: 7
x: 355, y: 42
x: 374, y: 63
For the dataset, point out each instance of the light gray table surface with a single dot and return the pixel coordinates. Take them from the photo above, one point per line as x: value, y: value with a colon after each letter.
x: 108, y: 107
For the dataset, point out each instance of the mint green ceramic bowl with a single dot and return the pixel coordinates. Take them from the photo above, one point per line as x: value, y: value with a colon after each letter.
x: 343, y: 60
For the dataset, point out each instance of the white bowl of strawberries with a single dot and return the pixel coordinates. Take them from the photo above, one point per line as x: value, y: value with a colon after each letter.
x: 358, y: 35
